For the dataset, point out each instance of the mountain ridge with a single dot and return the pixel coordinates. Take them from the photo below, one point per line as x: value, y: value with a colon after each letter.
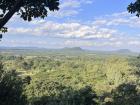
x: 67, y: 49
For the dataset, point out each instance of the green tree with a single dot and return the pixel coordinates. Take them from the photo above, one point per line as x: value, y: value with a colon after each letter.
x: 11, y: 88
x: 67, y: 96
x: 125, y: 94
x: 134, y: 8
x: 27, y: 9
x: 117, y: 70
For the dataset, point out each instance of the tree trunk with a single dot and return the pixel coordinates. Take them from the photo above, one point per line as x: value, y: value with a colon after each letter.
x: 11, y: 12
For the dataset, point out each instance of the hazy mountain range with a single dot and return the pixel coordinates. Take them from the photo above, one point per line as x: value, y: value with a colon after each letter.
x: 73, y: 50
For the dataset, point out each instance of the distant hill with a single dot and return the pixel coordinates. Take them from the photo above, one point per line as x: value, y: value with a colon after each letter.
x: 17, y: 48
x: 37, y: 48
x: 72, y: 49
x: 64, y: 51
x: 124, y: 51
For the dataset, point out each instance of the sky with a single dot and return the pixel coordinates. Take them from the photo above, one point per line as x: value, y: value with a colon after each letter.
x: 89, y: 24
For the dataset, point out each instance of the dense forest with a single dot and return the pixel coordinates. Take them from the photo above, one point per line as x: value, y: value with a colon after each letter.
x: 69, y: 80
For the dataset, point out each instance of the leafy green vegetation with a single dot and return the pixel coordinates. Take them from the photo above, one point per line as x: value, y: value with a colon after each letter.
x: 71, y: 80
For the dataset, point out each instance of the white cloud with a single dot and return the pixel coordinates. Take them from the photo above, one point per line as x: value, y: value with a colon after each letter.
x: 134, y: 42
x: 64, y: 13
x: 77, y: 43
x: 103, y: 31
x: 119, y: 14
x: 118, y: 19
x: 66, y: 30
x: 38, y: 21
x: 27, y: 43
x: 69, y: 8
x: 70, y: 4
x: 73, y: 3
x: 107, y: 43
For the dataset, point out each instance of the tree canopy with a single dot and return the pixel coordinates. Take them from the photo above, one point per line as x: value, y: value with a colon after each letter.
x: 11, y: 87
x: 26, y: 9
x: 134, y: 8
x: 59, y: 79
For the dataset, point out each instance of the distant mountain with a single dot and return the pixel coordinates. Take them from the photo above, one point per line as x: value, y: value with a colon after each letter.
x: 17, y: 48
x: 72, y: 49
x: 65, y: 51
x: 124, y: 51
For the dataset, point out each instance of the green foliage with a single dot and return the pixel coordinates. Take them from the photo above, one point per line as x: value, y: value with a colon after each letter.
x: 29, y: 8
x: 125, y: 94
x: 26, y: 9
x: 66, y: 96
x: 72, y: 80
x: 10, y: 88
x: 134, y: 8
x: 117, y: 70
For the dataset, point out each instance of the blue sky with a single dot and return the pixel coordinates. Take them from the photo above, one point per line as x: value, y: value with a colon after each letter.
x: 90, y: 24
